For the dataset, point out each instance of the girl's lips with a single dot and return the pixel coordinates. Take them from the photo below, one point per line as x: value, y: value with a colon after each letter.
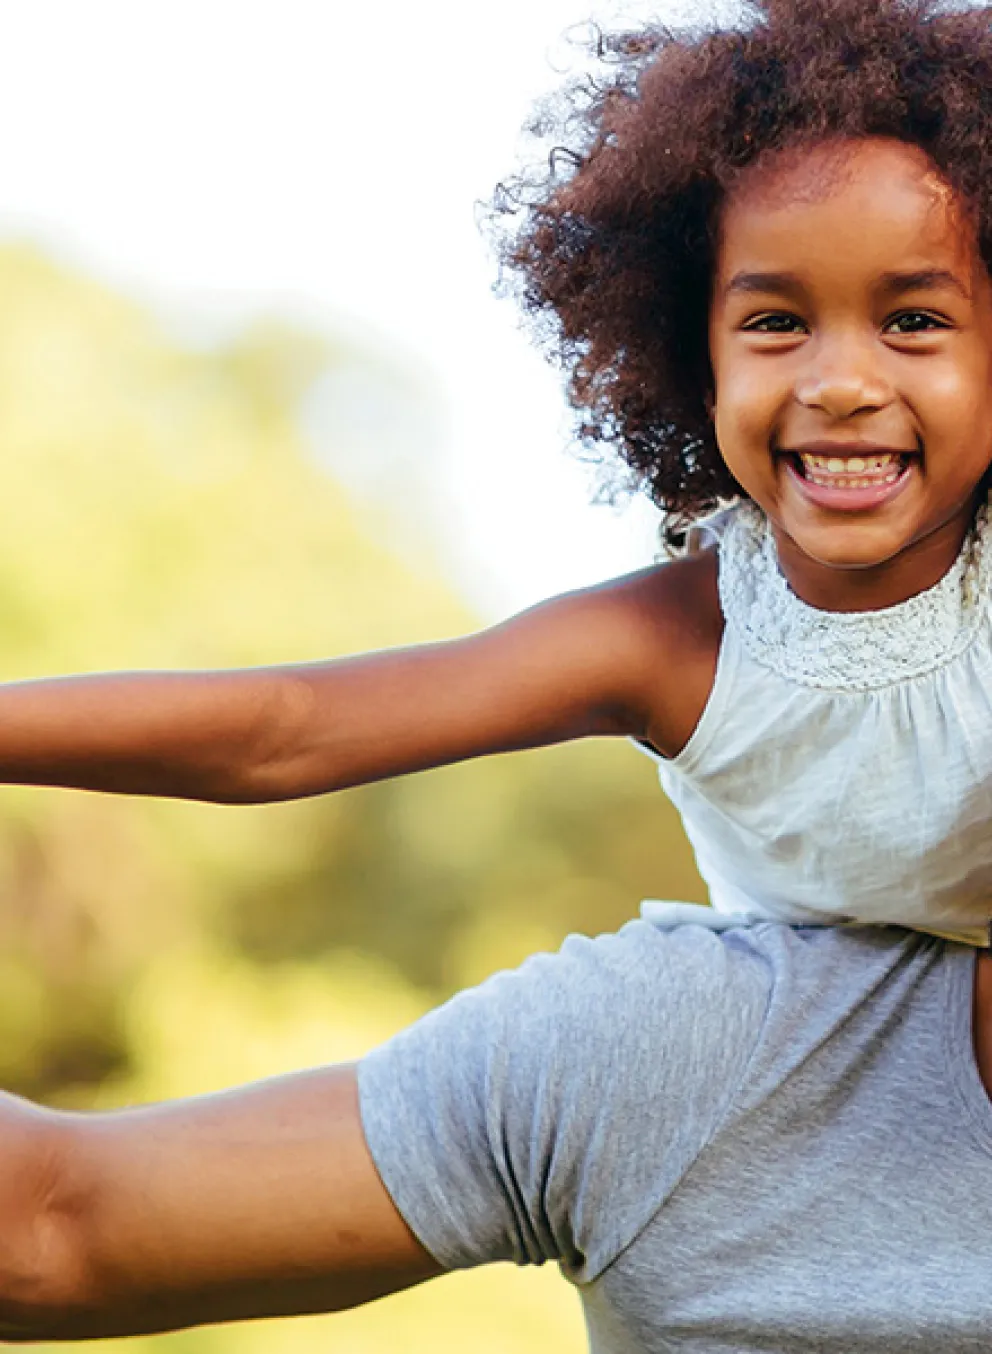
x: 844, y: 499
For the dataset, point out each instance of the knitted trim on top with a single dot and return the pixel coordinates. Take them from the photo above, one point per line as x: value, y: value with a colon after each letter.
x: 847, y: 650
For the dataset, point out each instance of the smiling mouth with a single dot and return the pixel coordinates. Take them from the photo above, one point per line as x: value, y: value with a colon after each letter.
x: 870, y: 470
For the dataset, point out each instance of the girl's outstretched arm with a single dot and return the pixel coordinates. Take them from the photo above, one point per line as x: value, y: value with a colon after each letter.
x: 261, y: 1201
x: 592, y: 662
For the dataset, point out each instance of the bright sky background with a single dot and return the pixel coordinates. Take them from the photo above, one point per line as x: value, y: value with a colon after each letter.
x: 319, y: 160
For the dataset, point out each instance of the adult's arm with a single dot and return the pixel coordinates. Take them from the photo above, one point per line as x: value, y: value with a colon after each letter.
x: 602, y: 661
x: 257, y: 1202
x: 545, y: 1115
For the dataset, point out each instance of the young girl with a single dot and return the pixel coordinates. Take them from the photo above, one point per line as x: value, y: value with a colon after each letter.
x: 768, y: 272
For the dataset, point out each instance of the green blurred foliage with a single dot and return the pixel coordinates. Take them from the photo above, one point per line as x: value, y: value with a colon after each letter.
x: 159, y: 508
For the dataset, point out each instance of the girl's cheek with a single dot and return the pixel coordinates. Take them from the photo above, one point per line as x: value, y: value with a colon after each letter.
x: 744, y: 416
x: 736, y: 445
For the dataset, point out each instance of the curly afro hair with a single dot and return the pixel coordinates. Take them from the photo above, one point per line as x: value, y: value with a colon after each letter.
x: 610, y: 249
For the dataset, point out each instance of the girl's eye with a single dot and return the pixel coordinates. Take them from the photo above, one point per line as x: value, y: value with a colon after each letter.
x: 907, y: 322
x: 916, y: 322
x: 780, y: 322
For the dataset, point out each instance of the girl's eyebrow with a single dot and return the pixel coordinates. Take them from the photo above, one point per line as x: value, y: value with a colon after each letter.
x: 921, y: 279
x: 757, y: 282
x: 924, y: 279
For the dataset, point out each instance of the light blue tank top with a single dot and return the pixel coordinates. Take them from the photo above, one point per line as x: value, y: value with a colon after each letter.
x: 842, y: 767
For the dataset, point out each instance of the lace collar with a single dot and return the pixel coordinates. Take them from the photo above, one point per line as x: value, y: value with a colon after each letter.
x: 851, y: 650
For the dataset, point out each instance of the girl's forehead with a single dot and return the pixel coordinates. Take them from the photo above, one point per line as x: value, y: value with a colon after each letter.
x: 807, y: 174
x: 859, y: 199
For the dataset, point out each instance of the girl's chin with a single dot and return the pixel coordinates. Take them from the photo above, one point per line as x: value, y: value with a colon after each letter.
x: 840, y: 550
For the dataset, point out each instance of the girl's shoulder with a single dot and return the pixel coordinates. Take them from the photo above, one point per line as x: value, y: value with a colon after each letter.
x: 680, y: 626
x: 633, y: 656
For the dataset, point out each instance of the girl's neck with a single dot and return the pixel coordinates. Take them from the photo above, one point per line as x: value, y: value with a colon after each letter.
x: 912, y: 571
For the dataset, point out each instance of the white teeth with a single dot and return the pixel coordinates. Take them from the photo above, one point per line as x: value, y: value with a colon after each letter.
x: 835, y: 472
x: 850, y: 482
x: 854, y: 465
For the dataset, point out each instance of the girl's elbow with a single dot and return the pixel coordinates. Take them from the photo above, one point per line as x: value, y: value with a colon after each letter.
x: 45, y: 1280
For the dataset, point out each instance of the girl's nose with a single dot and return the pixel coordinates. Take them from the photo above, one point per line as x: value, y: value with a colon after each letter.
x: 843, y: 381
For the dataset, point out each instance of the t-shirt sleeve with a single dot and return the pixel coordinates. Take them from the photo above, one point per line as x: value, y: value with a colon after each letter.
x: 548, y: 1113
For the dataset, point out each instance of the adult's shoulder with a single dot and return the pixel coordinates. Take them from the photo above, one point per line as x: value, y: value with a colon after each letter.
x: 642, y: 1046
x: 832, y: 985
x: 554, y: 1108
x: 648, y: 977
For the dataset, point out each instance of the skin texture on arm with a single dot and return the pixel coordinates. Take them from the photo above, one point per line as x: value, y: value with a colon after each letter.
x: 627, y: 658
x: 257, y: 1202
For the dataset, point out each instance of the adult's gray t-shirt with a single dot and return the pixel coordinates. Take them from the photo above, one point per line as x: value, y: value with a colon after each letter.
x: 766, y: 1139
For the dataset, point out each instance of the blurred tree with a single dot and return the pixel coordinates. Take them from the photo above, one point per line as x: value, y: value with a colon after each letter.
x: 470, y: 868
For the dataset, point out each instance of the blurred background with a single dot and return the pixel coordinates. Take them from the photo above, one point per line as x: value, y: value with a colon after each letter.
x: 258, y: 405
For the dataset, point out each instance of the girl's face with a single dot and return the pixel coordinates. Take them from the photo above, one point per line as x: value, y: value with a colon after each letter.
x: 851, y: 344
